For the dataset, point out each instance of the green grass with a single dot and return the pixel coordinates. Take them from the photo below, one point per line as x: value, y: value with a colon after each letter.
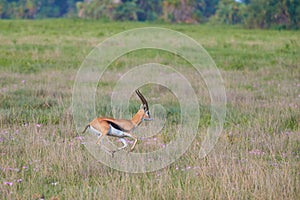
x: 256, y: 157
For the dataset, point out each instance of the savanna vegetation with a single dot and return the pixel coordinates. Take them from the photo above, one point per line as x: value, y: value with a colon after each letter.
x: 283, y: 14
x: 42, y: 155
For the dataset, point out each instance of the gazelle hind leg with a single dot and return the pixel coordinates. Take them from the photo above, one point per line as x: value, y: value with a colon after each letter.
x: 104, y: 148
x: 107, y: 150
x: 125, y: 144
x: 100, y: 139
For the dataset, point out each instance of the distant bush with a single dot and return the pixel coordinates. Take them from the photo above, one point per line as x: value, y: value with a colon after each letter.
x: 252, y: 14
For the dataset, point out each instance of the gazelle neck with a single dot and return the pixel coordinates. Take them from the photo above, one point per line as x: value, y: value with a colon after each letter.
x: 138, y: 118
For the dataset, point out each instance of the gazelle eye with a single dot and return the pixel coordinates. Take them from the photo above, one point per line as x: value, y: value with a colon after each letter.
x: 148, y: 113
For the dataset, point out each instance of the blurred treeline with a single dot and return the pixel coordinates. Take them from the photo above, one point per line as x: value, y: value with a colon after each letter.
x: 283, y: 14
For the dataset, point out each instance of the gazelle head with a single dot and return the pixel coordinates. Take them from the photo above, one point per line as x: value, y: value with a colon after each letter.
x: 144, y: 107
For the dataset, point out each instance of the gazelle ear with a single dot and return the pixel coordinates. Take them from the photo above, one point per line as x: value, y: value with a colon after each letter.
x: 142, y: 106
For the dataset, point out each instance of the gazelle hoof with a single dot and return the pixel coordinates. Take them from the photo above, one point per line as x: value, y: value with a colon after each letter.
x: 113, y: 153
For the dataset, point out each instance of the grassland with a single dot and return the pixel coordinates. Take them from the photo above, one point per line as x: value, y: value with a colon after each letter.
x: 256, y: 157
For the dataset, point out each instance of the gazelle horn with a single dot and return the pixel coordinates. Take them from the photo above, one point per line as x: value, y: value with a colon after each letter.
x: 144, y: 101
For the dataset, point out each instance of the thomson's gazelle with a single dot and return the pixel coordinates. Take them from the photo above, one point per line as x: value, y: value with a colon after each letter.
x: 120, y: 128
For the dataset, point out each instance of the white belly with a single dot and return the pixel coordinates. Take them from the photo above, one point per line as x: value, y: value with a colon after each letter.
x: 116, y: 133
x: 112, y: 132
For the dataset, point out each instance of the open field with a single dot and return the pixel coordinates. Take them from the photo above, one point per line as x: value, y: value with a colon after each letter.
x: 41, y: 155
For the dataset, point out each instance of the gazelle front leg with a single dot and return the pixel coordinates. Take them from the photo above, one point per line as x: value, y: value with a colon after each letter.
x: 135, y: 140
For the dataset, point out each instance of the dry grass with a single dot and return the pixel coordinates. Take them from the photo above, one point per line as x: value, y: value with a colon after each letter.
x: 257, y: 156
